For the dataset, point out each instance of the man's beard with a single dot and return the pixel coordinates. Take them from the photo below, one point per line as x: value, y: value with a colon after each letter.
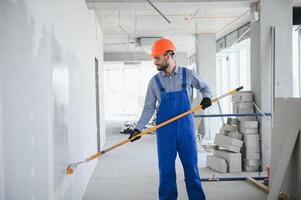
x: 163, y: 67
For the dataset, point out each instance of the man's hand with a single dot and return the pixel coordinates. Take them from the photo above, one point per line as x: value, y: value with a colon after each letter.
x: 133, y: 134
x: 206, y: 102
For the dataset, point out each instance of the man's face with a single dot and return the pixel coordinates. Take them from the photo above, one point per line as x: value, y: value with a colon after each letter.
x: 162, y: 62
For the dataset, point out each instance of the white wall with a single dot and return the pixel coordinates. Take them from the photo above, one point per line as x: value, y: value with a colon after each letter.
x: 1, y: 152
x: 181, y: 59
x: 47, y: 51
x: 101, y: 97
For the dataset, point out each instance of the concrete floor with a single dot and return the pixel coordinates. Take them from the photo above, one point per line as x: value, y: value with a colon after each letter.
x: 131, y: 173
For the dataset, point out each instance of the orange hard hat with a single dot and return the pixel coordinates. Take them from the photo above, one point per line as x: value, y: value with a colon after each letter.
x: 161, y: 46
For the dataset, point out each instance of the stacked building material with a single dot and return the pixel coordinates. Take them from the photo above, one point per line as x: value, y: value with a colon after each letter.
x: 216, y: 163
x: 238, y: 140
x: 230, y: 143
x: 251, y: 147
x: 233, y: 159
x: 248, y: 127
x: 242, y: 103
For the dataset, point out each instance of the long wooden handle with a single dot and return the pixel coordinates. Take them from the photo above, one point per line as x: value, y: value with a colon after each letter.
x: 152, y: 129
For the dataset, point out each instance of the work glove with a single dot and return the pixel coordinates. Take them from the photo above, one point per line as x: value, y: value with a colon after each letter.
x: 133, y: 134
x: 206, y: 102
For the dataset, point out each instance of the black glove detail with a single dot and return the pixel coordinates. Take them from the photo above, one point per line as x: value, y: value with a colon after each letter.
x: 206, y: 102
x: 133, y: 134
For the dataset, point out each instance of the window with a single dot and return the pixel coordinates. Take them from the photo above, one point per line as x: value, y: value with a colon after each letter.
x: 125, y: 88
x: 233, y: 70
x: 296, y: 62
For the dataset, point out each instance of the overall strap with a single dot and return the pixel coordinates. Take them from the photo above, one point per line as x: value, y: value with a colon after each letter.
x: 184, y: 78
x: 161, y: 88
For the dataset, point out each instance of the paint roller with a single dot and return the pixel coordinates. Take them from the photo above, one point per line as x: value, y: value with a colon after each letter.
x: 71, y: 168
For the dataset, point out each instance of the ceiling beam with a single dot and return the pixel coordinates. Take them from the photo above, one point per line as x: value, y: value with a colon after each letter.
x: 132, y: 56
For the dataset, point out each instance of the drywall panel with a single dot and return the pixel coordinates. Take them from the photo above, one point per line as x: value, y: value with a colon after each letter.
x: 47, y: 51
x: 287, y: 115
x: 2, y: 189
x: 60, y: 87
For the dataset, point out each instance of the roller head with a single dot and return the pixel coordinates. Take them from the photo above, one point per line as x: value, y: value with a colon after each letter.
x: 71, y: 168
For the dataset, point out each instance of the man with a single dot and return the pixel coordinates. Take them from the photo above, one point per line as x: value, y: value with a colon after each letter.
x: 170, y: 93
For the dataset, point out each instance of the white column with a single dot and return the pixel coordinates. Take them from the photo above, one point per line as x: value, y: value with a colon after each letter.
x: 206, y: 59
x: 278, y: 14
x: 206, y: 68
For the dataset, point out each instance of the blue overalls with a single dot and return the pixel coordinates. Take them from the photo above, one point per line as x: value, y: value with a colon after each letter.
x: 178, y: 136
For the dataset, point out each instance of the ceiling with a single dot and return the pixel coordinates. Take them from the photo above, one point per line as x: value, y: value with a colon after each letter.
x: 122, y: 21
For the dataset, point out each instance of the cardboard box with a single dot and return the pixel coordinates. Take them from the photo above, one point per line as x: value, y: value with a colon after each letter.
x: 217, y: 164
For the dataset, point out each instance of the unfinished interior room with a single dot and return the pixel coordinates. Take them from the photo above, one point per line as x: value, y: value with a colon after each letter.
x: 150, y: 99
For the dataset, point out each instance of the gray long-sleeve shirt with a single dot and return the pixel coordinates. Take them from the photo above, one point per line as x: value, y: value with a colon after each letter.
x: 170, y: 83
